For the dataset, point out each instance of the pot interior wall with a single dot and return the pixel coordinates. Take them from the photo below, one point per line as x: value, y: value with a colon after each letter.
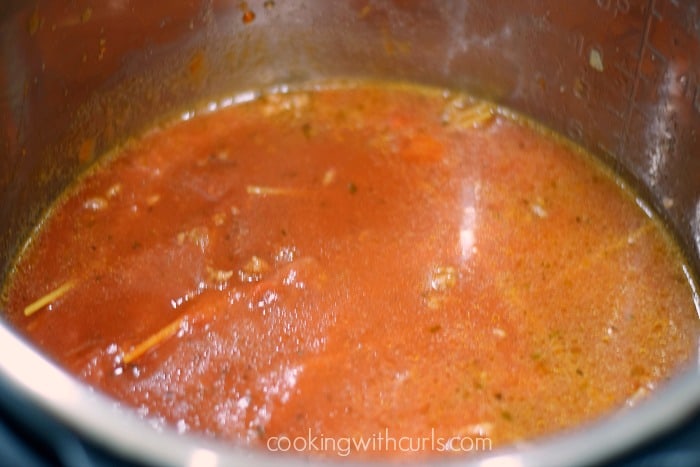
x: 77, y: 79
x: 619, y: 77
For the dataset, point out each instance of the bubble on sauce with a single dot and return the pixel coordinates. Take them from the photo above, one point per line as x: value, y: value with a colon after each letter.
x: 253, y: 408
x: 219, y: 218
x: 97, y: 203
x: 253, y: 270
x: 443, y: 278
x: 595, y: 59
x: 538, y: 210
x: 476, y: 429
x: 152, y: 200
x: 268, y: 298
x: 187, y: 115
x: 178, y: 301
x: 466, y: 113
x: 275, y: 104
x: 244, y: 401
x: 468, y: 222
x: 639, y: 395
x: 279, y: 383
x: 328, y: 177
x: 113, y: 190
x: 286, y: 254
x: 218, y: 277
x: 440, y: 281
x: 182, y: 426
x: 199, y: 236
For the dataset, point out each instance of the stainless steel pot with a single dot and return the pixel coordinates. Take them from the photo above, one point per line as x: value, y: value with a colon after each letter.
x: 619, y: 77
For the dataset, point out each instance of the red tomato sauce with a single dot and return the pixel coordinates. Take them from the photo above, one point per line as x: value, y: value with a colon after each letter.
x: 358, y: 261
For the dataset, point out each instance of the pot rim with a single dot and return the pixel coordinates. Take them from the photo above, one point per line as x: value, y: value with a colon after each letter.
x: 121, y: 431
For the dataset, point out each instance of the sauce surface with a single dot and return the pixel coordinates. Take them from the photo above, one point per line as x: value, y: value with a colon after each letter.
x: 353, y: 261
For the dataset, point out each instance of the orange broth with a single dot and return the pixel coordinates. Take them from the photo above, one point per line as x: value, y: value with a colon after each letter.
x: 356, y: 262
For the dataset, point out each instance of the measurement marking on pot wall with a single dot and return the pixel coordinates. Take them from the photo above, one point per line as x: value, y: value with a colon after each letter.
x: 638, y: 74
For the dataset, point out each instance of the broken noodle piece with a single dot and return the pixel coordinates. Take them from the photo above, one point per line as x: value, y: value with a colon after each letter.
x: 48, y: 298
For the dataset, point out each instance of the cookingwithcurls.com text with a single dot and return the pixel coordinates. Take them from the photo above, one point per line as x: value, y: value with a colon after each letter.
x: 379, y: 442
